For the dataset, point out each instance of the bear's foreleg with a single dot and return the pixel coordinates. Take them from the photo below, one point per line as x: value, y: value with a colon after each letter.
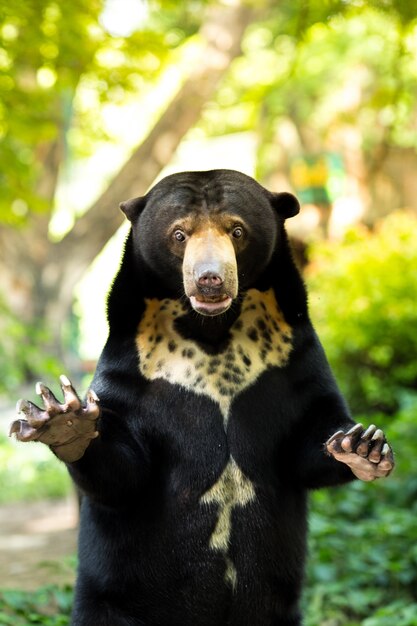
x: 103, y: 458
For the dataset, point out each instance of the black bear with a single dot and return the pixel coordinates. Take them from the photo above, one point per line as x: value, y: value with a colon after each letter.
x: 214, y: 411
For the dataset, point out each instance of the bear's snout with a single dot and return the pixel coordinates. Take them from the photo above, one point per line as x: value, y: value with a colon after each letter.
x: 210, y: 272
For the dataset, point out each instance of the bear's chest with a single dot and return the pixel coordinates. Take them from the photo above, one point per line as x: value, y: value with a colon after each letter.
x: 259, y: 340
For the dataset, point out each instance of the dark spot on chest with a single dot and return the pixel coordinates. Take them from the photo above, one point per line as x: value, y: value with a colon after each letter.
x: 261, y: 324
x: 230, y: 357
x: 213, y: 366
x: 253, y: 334
x: 246, y: 360
x: 232, y: 377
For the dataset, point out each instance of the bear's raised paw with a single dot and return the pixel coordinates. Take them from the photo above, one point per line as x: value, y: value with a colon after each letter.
x: 67, y: 427
x: 366, y: 452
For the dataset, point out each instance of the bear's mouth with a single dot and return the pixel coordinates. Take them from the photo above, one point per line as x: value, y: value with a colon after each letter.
x: 210, y: 305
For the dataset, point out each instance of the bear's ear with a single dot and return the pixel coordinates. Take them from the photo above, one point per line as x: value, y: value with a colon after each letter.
x: 132, y: 208
x: 285, y: 204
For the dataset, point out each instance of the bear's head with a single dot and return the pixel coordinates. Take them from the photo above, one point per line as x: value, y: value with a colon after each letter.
x: 212, y: 232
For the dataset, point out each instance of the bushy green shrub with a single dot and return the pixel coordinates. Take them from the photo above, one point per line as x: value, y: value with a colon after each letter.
x: 363, y: 539
x: 363, y: 300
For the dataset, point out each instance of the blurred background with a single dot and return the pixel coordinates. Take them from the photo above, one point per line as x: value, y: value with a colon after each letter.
x: 99, y: 99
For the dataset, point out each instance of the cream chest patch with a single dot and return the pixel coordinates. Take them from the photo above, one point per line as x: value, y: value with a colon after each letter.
x: 231, y: 490
x: 260, y: 339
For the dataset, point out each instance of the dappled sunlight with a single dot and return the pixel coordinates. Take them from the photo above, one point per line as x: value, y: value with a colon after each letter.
x: 122, y: 17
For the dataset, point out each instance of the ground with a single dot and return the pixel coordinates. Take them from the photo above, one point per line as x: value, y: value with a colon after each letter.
x: 37, y: 543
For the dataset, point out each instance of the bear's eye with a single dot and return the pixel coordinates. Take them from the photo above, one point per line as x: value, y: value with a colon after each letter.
x: 179, y: 235
x: 237, y: 232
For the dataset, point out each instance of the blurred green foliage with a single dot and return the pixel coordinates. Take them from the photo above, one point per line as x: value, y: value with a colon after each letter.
x: 363, y: 302
x: 59, y: 64
x: 322, y: 68
x: 30, y: 472
x: 48, y: 52
x: 21, y: 352
x: 49, y: 606
x: 363, y: 540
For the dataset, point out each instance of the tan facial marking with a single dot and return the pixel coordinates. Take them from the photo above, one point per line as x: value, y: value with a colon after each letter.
x: 210, y: 245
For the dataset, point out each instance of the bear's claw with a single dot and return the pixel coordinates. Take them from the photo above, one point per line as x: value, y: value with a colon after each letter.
x: 66, y: 427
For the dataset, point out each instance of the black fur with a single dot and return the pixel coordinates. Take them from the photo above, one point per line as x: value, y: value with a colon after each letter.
x: 144, y: 553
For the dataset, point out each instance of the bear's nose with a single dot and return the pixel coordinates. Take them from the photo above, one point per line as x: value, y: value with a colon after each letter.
x: 209, y: 277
